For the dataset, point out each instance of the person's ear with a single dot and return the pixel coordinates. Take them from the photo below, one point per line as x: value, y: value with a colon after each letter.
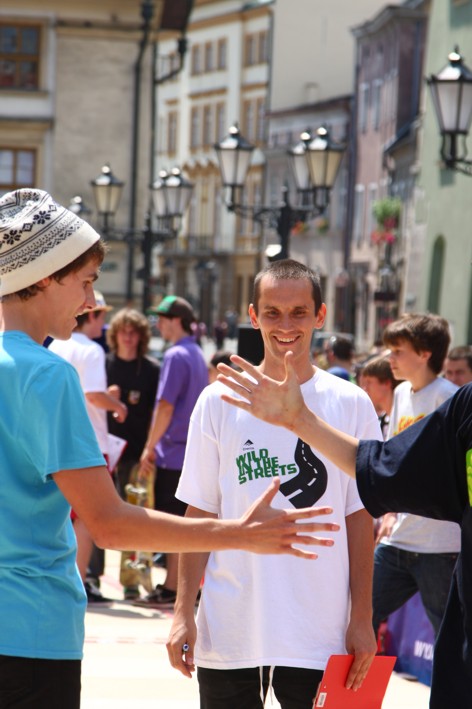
x: 253, y: 317
x: 320, y: 316
x: 425, y: 355
x: 44, y: 282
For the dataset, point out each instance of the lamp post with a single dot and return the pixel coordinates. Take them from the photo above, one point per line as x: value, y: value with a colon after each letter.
x: 451, y: 93
x: 171, y: 194
x: 315, y: 163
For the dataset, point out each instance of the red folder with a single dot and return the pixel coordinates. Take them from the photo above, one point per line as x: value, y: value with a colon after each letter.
x: 332, y: 694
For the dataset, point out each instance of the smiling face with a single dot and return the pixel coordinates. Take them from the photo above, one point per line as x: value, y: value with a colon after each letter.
x: 286, y: 318
x: 66, y: 299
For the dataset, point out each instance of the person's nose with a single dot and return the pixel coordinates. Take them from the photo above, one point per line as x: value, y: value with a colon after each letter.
x: 90, y: 301
x: 285, y: 322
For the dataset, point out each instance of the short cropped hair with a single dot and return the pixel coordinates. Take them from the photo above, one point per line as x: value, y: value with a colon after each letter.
x: 129, y: 317
x: 290, y: 270
x: 341, y: 347
x: 379, y: 367
x: 425, y: 333
x: 461, y: 352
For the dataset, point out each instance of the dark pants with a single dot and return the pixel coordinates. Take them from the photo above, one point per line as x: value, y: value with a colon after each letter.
x: 28, y: 683
x: 165, y: 485
x: 294, y: 687
x: 399, y: 574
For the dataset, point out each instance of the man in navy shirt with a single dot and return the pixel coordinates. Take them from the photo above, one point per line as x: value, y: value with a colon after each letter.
x: 425, y: 470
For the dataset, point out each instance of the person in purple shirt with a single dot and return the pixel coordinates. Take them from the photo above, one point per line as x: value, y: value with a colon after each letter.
x: 184, y: 375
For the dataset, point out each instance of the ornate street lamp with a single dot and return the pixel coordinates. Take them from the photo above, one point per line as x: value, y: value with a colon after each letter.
x: 78, y: 206
x: 234, y: 157
x: 315, y: 163
x: 451, y: 93
x: 107, y: 191
x: 171, y: 195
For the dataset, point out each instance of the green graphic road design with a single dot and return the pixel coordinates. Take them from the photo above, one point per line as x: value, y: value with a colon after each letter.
x: 304, y: 481
x: 468, y: 467
x: 252, y: 465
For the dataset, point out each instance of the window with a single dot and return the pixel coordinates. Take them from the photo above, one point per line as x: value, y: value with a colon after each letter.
x: 250, y: 50
x: 359, y: 214
x: 260, y: 128
x: 222, y: 50
x: 263, y: 47
x: 172, y: 132
x: 248, y: 121
x: 376, y: 103
x: 256, y: 48
x: 17, y: 168
x: 19, y: 56
x: 207, y: 125
x: 363, y: 106
x: 196, y: 60
x: 217, y: 220
x: 195, y: 127
x: 209, y: 56
x: 220, y: 121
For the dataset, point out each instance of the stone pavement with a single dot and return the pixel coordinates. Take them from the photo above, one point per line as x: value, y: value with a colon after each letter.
x: 125, y: 663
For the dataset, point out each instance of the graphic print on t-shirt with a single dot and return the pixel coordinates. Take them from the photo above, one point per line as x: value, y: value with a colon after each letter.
x: 306, y: 488
x: 308, y: 477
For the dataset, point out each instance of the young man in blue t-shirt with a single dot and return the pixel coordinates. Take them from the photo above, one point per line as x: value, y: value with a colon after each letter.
x: 50, y: 461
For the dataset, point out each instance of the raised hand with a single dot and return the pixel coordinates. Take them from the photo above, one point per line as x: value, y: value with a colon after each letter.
x: 279, y: 403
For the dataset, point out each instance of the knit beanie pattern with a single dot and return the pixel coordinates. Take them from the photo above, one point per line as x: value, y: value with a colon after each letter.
x: 37, y: 238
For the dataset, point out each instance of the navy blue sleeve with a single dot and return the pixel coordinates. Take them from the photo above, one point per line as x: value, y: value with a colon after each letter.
x: 423, y: 469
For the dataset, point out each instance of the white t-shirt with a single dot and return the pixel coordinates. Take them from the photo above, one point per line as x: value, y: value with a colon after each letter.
x: 89, y: 360
x: 273, y: 609
x: 411, y: 532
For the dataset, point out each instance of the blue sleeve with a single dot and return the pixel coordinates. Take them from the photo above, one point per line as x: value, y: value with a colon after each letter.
x: 423, y: 469
x: 59, y: 435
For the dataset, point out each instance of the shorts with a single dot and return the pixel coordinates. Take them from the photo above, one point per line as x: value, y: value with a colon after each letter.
x: 165, y: 485
x: 30, y: 683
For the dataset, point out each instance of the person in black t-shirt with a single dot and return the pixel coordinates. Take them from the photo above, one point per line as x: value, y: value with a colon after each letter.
x: 424, y: 470
x: 133, y: 377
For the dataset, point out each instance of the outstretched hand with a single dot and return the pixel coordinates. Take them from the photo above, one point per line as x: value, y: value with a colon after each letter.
x: 278, y: 403
x: 267, y: 530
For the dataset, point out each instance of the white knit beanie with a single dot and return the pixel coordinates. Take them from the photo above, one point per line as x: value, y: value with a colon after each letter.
x: 37, y: 238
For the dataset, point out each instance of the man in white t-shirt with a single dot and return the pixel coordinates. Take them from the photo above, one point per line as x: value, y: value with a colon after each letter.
x: 415, y: 553
x: 88, y: 358
x: 275, y: 621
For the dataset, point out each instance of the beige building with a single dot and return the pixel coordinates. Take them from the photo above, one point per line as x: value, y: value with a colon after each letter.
x: 67, y: 82
x: 225, y: 80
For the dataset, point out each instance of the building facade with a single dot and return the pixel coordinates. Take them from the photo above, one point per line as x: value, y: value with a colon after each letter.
x: 390, y: 52
x: 225, y: 80
x: 68, y: 83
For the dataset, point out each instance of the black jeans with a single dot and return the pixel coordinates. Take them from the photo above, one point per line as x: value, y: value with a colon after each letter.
x: 29, y: 683
x: 294, y: 687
